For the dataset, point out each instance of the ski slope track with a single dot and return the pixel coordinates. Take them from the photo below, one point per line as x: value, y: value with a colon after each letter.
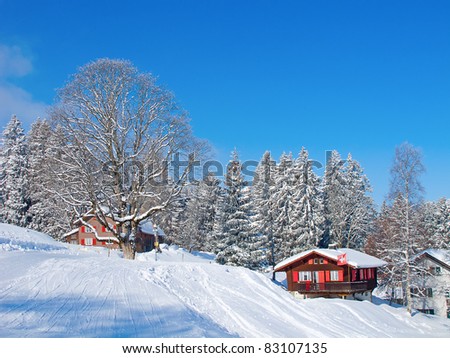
x: 50, y: 289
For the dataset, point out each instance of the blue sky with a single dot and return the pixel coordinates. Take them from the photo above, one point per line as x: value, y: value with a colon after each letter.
x: 356, y: 76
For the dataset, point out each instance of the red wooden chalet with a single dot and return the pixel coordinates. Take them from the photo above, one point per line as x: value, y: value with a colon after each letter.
x: 89, y: 232
x: 343, y: 273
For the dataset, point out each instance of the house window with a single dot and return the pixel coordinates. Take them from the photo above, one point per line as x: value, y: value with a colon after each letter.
x: 447, y: 294
x: 334, y: 275
x: 305, y: 276
x: 429, y: 292
x: 88, y: 229
x: 316, y: 261
x: 435, y: 270
x: 316, y: 277
x: 427, y: 311
x: 414, y: 291
x: 88, y: 241
x: 320, y: 261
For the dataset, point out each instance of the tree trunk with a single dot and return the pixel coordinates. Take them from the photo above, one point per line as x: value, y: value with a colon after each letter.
x: 128, y: 249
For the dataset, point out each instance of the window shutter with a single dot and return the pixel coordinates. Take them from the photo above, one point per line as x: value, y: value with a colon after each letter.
x: 295, y: 276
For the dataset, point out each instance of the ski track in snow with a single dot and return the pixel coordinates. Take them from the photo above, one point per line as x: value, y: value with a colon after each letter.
x: 83, y: 293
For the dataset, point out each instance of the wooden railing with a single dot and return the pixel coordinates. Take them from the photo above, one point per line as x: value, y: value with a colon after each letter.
x: 335, y: 287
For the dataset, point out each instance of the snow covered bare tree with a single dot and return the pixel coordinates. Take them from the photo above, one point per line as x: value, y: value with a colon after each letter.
x: 121, y: 132
x: 406, y: 191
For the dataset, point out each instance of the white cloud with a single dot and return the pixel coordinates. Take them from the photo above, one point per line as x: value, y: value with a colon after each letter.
x: 13, y: 99
x: 13, y: 62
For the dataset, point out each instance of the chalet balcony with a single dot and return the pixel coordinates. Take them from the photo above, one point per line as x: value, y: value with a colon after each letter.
x: 334, y: 287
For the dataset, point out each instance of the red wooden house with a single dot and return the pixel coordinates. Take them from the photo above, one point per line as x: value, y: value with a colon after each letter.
x: 343, y: 273
x: 89, y: 232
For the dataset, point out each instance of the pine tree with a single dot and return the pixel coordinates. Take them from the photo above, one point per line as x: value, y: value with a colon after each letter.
x: 42, y: 208
x: 237, y: 234
x: 334, y: 184
x: 360, y: 211
x: 282, y: 208
x: 201, y: 213
x: 14, y: 181
x: 349, y: 209
x: 262, y: 221
x: 441, y: 219
x: 308, y: 207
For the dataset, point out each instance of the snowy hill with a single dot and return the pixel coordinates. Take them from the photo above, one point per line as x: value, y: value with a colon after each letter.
x: 50, y: 289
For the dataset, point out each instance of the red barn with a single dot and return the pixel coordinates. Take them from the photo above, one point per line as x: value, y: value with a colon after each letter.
x: 343, y: 273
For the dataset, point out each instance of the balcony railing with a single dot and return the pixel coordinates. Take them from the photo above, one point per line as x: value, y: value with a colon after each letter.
x: 335, y: 287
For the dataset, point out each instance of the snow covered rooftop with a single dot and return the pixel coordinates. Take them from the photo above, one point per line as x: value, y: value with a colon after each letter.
x: 355, y: 258
x: 441, y: 255
x: 147, y: 227
x: 74, y: 231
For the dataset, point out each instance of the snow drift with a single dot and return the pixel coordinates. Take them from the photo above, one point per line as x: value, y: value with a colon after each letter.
x: 50, y: 289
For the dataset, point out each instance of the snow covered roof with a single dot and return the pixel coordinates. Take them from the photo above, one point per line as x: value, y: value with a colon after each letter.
x: 107, y: 238
x: 440, y: 255
x: 147, y: 227
x: 74, y: 231
x: 355, y: 258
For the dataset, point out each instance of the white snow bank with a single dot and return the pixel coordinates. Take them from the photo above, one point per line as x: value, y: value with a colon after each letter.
x: 173, y: 253
x: 14, y: 238
x: 61, y: 294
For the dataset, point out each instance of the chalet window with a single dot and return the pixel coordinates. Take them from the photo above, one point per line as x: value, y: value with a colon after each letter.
x: 316, y: 277
x: 316, y: 261
x: 320, y: 261
x: 437, y: 269
x: 429, y: 292
x: 447, y: 294
x: 361, y: 274
x: 334, y: 275
x: 88, y: 241
x: 305, y: 276
x: 414, y: 291
x: 88, y: 229
x: 427, y: 311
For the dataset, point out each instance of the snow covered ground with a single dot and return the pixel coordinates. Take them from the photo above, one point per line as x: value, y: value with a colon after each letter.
x: 50, y: 289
